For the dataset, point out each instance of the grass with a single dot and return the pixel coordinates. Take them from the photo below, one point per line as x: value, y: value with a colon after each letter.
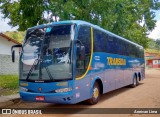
x: 8, y: 84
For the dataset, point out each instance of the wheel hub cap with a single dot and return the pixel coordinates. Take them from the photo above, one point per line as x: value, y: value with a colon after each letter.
x: 95, y: 93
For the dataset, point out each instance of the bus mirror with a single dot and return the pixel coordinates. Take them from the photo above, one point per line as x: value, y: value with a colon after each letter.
x: 13, y: 55
x: 80, y: 52
x: 13, y: 51
x: 16, y: 46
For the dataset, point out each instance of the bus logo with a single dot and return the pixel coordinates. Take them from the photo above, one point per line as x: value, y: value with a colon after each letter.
x: 39, y: 89
x: 116, y: 61
x: 6, y: 111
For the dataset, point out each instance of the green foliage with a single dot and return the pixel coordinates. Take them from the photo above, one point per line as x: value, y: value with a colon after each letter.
x: 17, y: 35
x: 122, y: 17
x: 154, y: 44
x: 8, y: 84
x: 158, y: 42
x: 153, y: 51
x: 9, y: 81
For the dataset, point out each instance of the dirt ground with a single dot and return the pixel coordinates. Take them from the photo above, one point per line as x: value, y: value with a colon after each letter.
x: 146, y: 95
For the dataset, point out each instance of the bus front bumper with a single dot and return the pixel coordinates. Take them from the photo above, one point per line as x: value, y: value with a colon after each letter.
x: 64, y: 98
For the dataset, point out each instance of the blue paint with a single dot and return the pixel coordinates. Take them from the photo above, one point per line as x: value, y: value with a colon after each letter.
x: 112, y: 76
x: 48, y: 29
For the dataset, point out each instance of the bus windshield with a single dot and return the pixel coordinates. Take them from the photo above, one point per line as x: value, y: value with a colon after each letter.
x: 46, y: 54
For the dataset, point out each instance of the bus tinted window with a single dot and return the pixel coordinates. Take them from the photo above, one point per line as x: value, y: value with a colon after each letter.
x: 131, y: 50
x: 104, y: 42
x: 119, y: 46
x: 126, y: 46
x: 84, y: 36
x: 123, y: 47
x: 99, y: 41
x: 110, y: 44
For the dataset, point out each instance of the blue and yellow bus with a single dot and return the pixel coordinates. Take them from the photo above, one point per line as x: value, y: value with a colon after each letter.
x: 72, y: 61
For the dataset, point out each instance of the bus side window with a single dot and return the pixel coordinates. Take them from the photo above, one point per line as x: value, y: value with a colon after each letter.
x: 123, y: 47
x: 99, y: 41
x: 117, y: 46
x: 84, y: 36
x: 110, y: 44
x: 126, y: 48
x: 141, y: 52
x: 131, y: 50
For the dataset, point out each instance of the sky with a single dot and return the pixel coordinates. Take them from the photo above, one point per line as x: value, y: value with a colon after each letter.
x: 155, y: 34
x: 4, y: 26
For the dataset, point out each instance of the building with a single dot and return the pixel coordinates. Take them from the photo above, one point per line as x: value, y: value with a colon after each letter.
x: 6, y: 65
x: 152, y: 60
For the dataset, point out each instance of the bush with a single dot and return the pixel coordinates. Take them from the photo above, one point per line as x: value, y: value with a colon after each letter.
x: 9, y: 81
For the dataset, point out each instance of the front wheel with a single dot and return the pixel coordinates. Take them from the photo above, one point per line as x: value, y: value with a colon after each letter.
x: 95, y: 94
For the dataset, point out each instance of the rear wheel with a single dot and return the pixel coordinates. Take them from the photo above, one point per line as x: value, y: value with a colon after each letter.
x: 134, y: 82
x: 138, y: 79
x: 95, y: 94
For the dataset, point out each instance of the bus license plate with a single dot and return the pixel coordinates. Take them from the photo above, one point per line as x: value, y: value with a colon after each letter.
x: 40, y: 98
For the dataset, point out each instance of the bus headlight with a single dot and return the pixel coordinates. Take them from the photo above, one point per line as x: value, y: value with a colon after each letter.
x: 63, y: 90
x: 23, y: 89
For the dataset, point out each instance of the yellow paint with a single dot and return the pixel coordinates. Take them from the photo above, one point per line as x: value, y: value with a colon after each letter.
x: 23, y: 84
x: 89, y: 66
x: 116, y: 61
x: 62, y: 84
x: 95, y: 93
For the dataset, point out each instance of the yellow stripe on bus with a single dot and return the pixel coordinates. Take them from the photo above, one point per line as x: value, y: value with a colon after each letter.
x: 89, y: 66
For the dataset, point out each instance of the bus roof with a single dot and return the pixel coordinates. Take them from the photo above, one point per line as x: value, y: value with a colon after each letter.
x: 80, y: 22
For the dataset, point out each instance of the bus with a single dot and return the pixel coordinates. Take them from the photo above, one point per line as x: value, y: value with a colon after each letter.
x: 72, y: 61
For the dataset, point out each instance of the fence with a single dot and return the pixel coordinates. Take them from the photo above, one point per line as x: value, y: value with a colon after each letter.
x: 6, y: 65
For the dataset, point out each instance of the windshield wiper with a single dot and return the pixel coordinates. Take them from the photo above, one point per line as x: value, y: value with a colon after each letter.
x: 49, y: 74
x: 36, y: 62
x: 33, y: 66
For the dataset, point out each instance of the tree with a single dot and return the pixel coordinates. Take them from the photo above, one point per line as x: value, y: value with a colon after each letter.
x: 158, y: 44
x: 154, y: 44
x: 17, y: 35
x: 122, y: 17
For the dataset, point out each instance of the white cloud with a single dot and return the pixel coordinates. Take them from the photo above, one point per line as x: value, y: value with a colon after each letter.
x: 155, y: 34
x: 4, y: 26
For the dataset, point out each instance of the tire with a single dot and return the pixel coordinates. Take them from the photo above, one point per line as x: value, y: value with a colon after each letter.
x: 95, y: 94
x: 134, y: 82
x: 138, y: 81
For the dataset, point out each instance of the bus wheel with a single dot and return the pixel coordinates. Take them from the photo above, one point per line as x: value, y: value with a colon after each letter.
x: 95, y: 94
x: 137, y: 81
x: 134, y: 82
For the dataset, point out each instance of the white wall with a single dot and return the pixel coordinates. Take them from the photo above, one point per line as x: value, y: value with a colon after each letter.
x: 5, y: 46
x: 6, y: 65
